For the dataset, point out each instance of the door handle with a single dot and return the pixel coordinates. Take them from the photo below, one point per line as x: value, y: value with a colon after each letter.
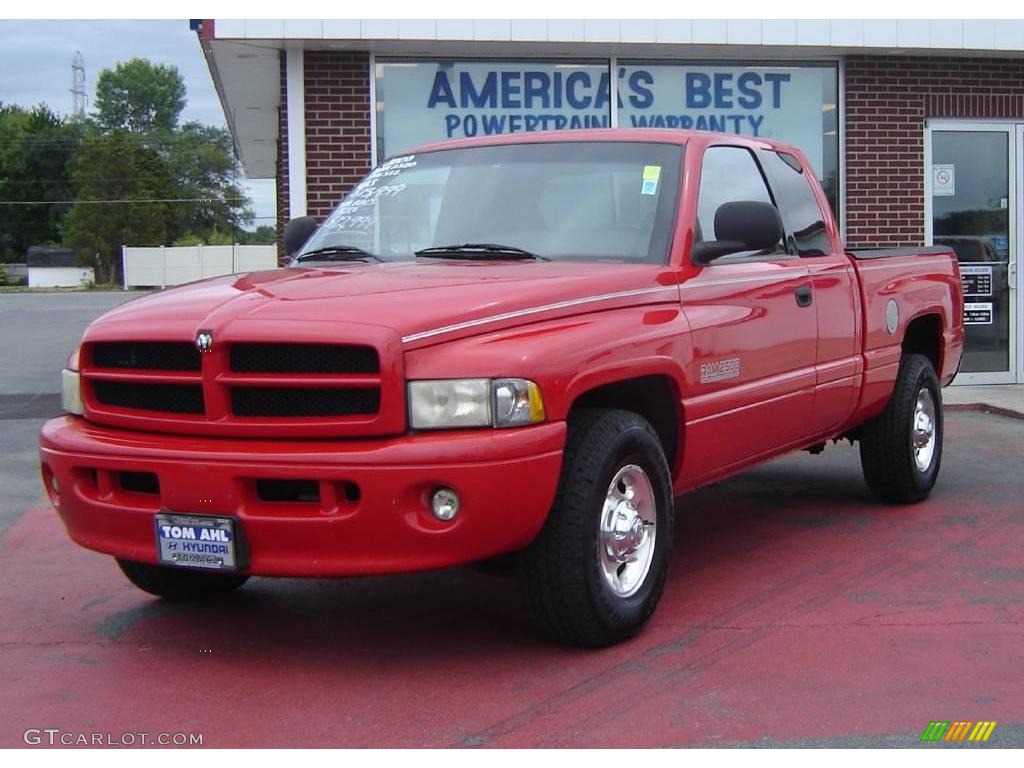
x: 804, y: 296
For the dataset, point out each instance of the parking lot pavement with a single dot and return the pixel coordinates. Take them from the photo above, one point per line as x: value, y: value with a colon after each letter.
x: 40, y: 330
x: 797, y: 612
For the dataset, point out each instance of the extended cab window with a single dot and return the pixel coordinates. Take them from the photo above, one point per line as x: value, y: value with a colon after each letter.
x: 728, y: 174
x: 564, y: 201
x: 805, y: 225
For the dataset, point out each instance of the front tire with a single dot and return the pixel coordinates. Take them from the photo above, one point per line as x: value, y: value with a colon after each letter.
x: 901, y: 449
x: 595, y: 573
x: 178, y: 583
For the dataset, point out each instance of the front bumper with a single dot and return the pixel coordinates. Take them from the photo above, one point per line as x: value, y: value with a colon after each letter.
x: 372, y: 514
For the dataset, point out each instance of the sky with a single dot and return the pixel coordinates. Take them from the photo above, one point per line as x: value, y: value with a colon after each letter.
x: 35, y: 66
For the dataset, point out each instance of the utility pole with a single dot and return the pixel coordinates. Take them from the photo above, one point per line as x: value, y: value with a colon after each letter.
x: 78, y: 85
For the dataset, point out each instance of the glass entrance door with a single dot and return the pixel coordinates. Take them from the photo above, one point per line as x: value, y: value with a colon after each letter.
x: 971, y: 201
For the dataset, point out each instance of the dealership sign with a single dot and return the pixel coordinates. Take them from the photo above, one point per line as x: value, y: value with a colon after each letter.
x: 430, y: 101
x: 783, y: 103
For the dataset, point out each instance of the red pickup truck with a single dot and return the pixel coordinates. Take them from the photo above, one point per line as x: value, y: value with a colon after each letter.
x: 525, y: 344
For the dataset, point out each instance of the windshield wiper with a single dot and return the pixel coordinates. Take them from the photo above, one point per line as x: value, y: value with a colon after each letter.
x: 337, y: 253
x: 479, y: 251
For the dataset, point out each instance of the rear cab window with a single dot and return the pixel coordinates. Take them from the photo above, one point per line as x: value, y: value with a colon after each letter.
x: 804, y: 222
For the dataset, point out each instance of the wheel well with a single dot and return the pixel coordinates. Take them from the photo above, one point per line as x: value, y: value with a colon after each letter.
x: 656, y: 398
x: 924, y: 337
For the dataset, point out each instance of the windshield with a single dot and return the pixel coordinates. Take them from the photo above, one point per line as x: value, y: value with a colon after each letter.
x: 563, y: 201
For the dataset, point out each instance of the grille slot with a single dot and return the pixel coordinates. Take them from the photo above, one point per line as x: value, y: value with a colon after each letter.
x: 146, y: 355
x: 288, y: 490
x: 139, y: 482
x: 168, y: 398
x: 303, y: 358
x: 290, y: 401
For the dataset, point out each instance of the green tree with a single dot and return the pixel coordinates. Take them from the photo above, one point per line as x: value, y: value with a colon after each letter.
x: 140, y: 97
x: 215, y: 237
x: 263, y: 235
x: 147, y: 99
x: 203, y: 162
x: 36, y: 148
x: 133, y: 149
x: 111, y: 171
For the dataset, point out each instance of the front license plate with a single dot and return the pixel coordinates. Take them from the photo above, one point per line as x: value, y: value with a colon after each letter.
x: 192, y: 541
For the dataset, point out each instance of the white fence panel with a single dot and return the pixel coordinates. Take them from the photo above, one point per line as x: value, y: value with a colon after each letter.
x: 182, y: 264
x: 252, y: 258
x: 218, y: 260
x: 142, y: 266
x: 163, y: 266
x: 59, y: 277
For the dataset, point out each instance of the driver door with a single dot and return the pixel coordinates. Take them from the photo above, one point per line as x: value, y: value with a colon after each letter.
x: 754, y: 335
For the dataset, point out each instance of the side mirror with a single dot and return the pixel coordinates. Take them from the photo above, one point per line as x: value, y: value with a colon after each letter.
x: 297, y: 232
x: 743, y: 225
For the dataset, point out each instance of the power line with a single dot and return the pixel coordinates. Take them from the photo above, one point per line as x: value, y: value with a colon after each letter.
x: 90, y: 180
x: 141, y: 200
x: 144, y: 139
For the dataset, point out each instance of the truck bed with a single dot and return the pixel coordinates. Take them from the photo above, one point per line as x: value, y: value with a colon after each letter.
x: 864, y: 254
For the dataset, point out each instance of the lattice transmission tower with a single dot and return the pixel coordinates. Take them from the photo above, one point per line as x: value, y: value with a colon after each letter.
x: 78, y: 97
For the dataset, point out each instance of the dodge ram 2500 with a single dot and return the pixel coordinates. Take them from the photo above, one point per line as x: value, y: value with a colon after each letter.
x: 526, y: 345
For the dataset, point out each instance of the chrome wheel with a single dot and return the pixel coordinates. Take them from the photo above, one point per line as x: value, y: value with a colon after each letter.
x: 923, y: 430
x: 629, y: 525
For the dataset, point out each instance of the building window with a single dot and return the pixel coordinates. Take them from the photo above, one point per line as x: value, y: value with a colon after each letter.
x: 421, y: 101
x: 424, y: 101
x: 793, y: 104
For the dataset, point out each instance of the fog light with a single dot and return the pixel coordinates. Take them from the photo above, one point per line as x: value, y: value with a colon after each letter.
x: 445, y: 504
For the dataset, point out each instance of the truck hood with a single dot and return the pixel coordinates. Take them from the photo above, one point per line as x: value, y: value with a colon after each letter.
x: 422, y: 302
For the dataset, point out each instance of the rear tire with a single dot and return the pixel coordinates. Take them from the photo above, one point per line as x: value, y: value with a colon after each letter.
x: 595, y: 572
x: 901, y: 449
x: 180, y: 584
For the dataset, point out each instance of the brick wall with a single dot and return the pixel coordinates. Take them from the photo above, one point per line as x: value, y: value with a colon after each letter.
x: 887, y: 102
x: 337, y: 90
x: 337, y: 126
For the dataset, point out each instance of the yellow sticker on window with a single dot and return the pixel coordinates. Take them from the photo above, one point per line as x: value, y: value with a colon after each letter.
x: 652, y: 172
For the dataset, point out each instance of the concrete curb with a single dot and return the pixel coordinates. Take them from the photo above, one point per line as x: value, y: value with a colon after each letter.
x: 984, y: 408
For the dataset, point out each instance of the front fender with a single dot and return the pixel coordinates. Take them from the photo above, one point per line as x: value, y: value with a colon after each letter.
x: 568, y: 356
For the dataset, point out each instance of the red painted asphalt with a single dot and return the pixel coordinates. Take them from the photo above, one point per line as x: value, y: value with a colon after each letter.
x: 797, y: 612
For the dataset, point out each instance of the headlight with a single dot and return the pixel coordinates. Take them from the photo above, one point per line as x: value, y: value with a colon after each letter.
x: 71, y: 392
x: 517, y: 402
x: 450, y: 404
x: 461, y: 403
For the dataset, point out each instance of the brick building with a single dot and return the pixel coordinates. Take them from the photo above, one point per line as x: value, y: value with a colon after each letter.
x: 916, y: 128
